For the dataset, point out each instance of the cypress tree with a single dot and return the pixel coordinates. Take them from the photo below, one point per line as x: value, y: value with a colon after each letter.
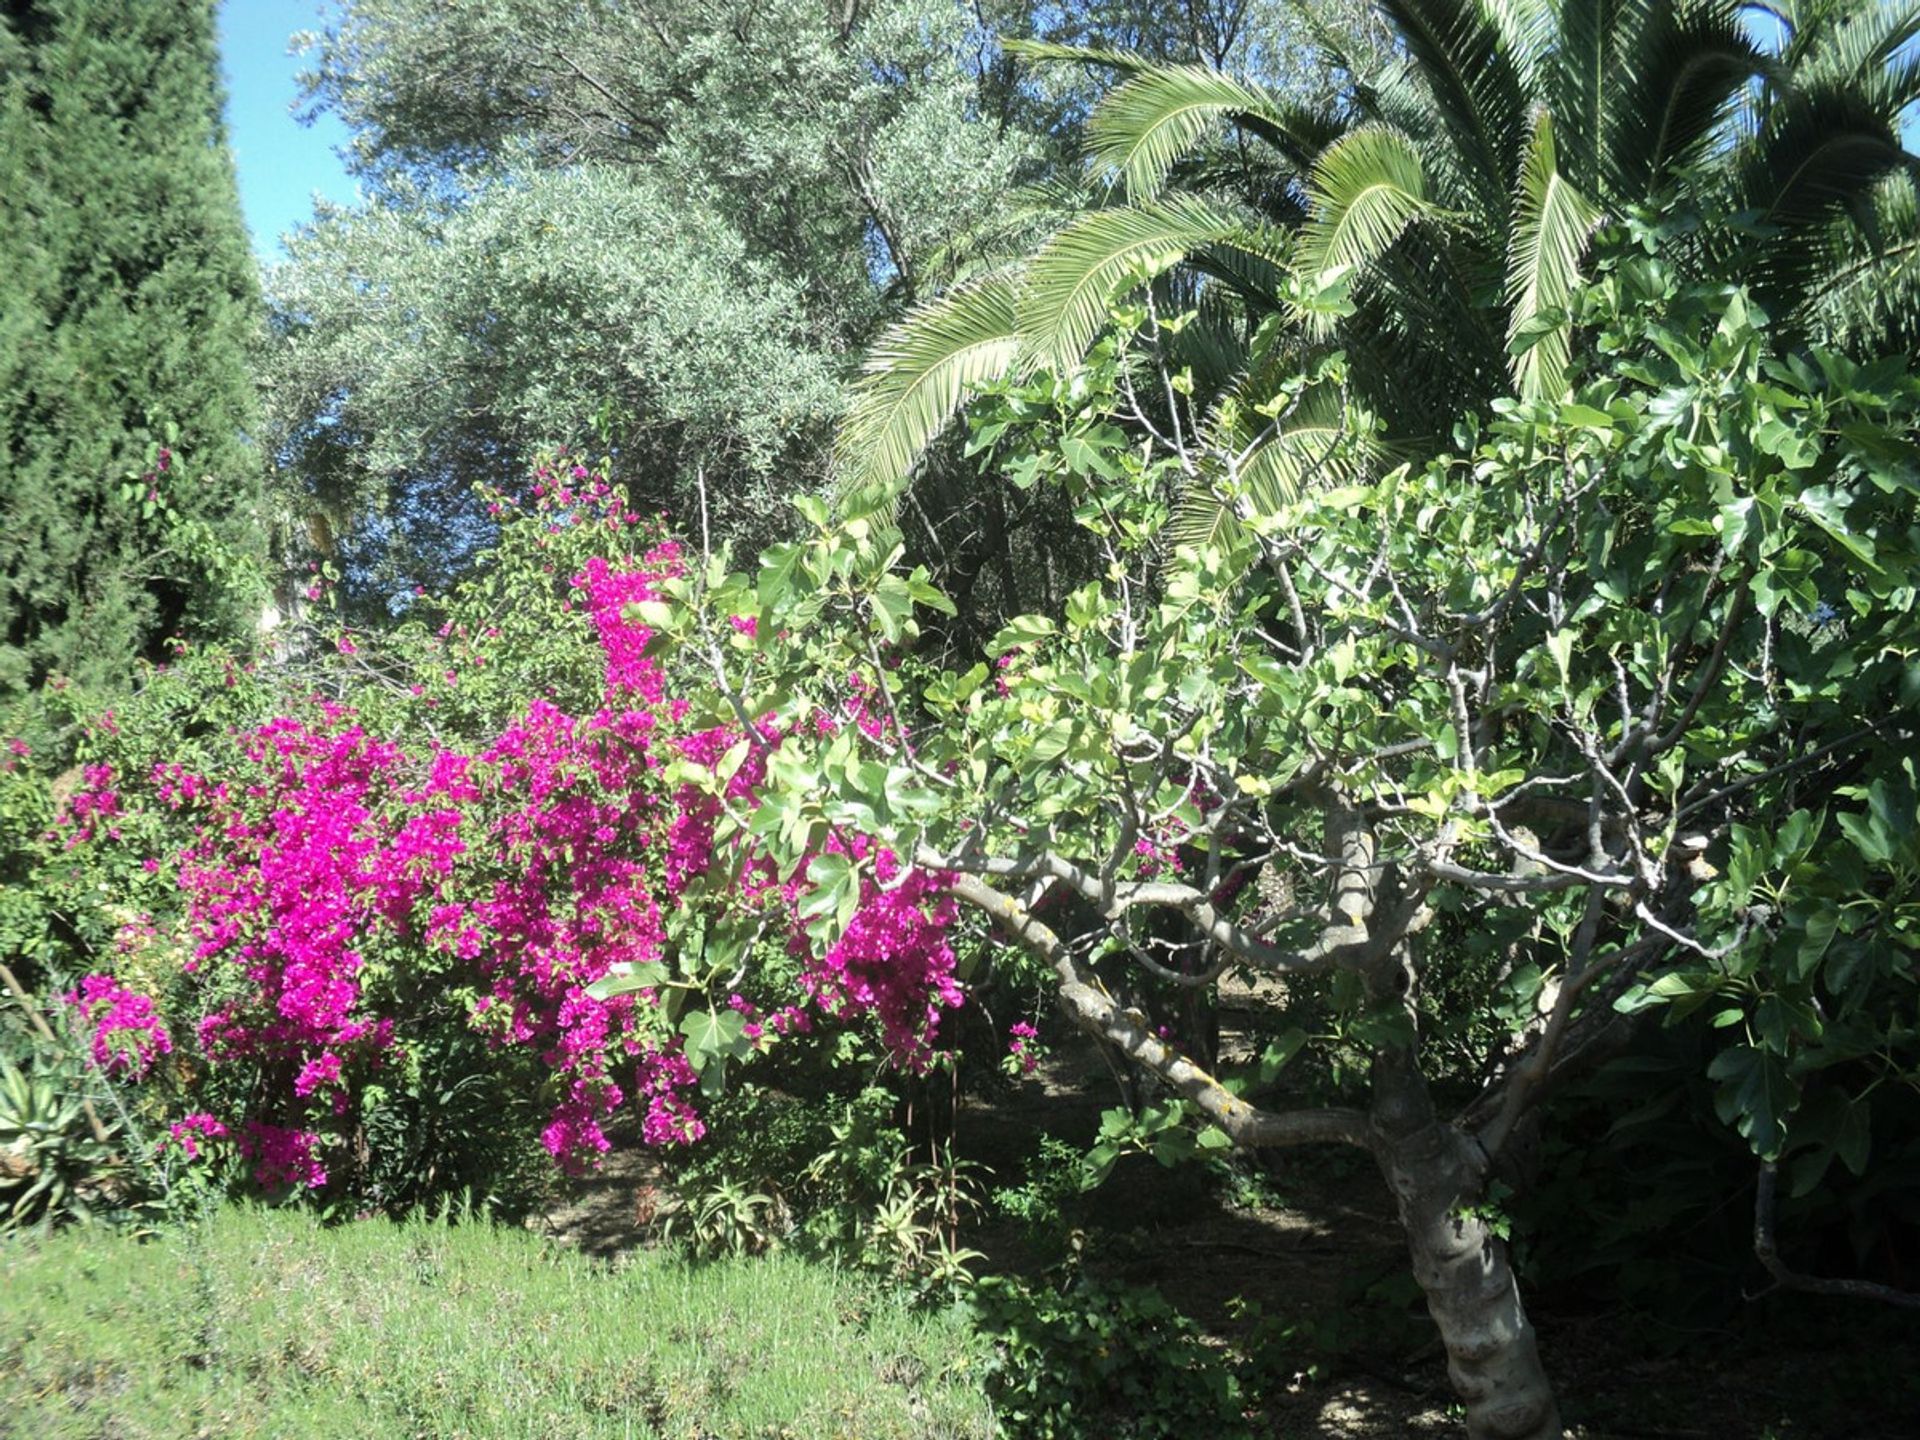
x: 130, y: 507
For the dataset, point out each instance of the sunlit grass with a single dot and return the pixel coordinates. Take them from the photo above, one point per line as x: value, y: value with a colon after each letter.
x: 266, y: 1324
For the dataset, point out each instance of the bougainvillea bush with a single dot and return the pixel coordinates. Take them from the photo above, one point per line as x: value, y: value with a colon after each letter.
x: 360, y: 920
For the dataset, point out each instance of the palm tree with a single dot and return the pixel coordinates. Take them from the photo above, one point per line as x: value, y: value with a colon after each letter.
x: 1437, y: 229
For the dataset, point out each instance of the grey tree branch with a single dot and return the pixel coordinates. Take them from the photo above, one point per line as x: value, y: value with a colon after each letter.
x: 1095, y: 1011
x: 1767, y: 1251
x: 1337, y: 941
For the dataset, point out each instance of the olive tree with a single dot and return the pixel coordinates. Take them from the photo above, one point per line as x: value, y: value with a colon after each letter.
x: 1624, y: 683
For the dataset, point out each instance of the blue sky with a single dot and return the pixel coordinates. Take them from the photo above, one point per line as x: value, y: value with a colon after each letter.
x: 281, y: 162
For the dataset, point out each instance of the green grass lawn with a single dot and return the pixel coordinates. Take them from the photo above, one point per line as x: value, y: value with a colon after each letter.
x: 267, y: 1324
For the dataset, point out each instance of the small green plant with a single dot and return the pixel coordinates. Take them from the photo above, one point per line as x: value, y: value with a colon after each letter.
x: 1092, y: 1359
x: 1170, y: 1131
x: 912, y: 1236
x: 55, y: 1166
x: 1055, y: 1175
x: 1492, y: 1211
x: 727, y: 1219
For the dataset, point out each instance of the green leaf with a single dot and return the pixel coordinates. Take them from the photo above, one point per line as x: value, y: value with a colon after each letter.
x: 1828, y: 508
x: 775, y: 581
x: 891, y: 604
x: 1084, y: 458
x: 1560, y: 646
x: 654, y: 614
x: 1755, y: 1096
x: 1022, y: 630
x: 832, y: 877
x: 1098, y: 1165
x: 626, y: 979
x: 925, y: 593
x: 1085, y: 606
x: 1053, y: 741
x: 714, y: 1035
x: 1280, y: 1052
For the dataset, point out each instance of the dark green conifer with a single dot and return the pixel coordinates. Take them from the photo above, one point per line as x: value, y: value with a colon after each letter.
x: 128, y: 302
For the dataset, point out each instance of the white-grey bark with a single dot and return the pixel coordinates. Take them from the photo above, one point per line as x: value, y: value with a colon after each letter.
x: 1438, y: 1180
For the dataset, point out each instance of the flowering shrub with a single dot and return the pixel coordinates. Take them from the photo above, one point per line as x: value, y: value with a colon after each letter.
x: 517, y: 829
x: 1023, y: 1056
x: 125, y: 1036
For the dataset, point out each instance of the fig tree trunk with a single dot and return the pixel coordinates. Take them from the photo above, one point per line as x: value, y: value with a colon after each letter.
x: 1438, y: 1178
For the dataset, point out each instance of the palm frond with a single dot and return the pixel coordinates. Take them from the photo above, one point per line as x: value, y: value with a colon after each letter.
x: 1260, y: 279
x: 1397, y: 98
x: 1635, y: 85
x: 1073, y: 280
x: 1692, y: 65
x: 1479, y: 91
x: 1016, y: 229
x: 1365, y: 191
x: 1528, y: 31
x: 1868, y: 297
x: 1552, y: 223
x: 1850, y: 43
x: 915, y: 378
x: 1156, y: 116
x: 1824, y: 146
x: 1048, y: 51
x: 1820, y: 157
x: 1274, y: 462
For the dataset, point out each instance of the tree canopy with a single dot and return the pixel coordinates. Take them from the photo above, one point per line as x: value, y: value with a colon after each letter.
x: 747, y: 197
x: 1607, y: 711
x: 1434, y: 222
x: 126, y: 318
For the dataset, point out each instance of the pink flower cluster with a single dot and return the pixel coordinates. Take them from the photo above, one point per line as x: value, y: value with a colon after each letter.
x: 893, y: 960
x: 332, y: 868
x: 282, y: 1158
x: 664, y: 1077
x: 1020, y: 1037
x: 191, y: 1130
x: 93, y: 808
x: 127, y: 1036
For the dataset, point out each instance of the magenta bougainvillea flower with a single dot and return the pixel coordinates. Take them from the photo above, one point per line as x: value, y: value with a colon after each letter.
x: 522, y: 871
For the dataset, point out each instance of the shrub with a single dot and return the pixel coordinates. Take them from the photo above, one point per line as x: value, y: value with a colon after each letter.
x: 1100, y: 1359
x: 337, y: 930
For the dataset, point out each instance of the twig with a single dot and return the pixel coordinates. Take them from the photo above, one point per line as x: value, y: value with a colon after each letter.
x: 1765, y: 1249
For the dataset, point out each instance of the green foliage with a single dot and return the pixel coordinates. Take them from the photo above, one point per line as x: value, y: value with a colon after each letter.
x: 129, y: 307
x: 550, y: 304
x: 1166, y: 1131
x: 687, y: 271
x: 834, y: 1177
x: 1056, y: 1174
x: 725, y: 1219
x: 1475, y: 156
x: 1616, y: 698
x: 264, y: 1323
x: 1100, y: 1359
x: 53, y: 1168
